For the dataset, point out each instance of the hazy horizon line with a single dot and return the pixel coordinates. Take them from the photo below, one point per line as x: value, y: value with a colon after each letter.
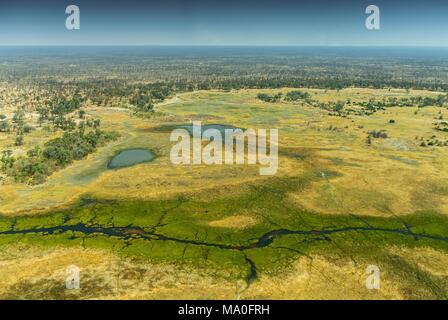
x: 225, y: 45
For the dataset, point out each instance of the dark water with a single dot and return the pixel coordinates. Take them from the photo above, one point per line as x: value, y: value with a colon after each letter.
x: 128, y: 158
x: 263, y: 241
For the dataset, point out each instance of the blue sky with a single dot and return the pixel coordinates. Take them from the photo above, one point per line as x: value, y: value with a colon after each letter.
x: 210, y: 22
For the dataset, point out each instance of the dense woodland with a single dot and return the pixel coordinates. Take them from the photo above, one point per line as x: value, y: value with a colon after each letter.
x: 137, y: 78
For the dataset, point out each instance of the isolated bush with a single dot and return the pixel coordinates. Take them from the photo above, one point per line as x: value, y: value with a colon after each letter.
x: 378, y: 134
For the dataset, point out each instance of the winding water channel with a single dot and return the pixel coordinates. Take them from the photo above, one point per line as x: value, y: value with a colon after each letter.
x: 263, y: 241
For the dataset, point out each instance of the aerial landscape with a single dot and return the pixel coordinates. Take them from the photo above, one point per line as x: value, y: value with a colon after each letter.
x: 87, y: 177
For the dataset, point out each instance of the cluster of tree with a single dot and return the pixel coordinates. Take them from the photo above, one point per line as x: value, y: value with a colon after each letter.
x: 57, y: 109
x: 269, y: 98
x: 7, y: 161
x: 4, y: 124
x: 140, y: 96
x: 142, y: 103
x: 56, y: 154
x: 432, y: 142
x: 297, y: 95
x: 18, y: 126
x: 377, y: 134
x: 74, y: 146
x: 54, y: 111
x: 442, y: 126
x: 335, y: 108
x: 331, y: 83
x: 372, y: 106
x: 290, y: 96
x: 417, y: 101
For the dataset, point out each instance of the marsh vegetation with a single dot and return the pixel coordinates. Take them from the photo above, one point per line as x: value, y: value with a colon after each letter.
x: 362, y: 175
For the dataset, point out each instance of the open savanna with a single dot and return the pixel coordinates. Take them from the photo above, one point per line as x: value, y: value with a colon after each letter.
x: 156, y: 230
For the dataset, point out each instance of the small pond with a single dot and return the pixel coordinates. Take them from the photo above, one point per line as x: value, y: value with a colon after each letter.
x: 130, y: 157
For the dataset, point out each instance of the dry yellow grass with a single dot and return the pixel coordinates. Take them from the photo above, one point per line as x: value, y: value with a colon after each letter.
x: 38, y: 273
x: 391, y: 176
x: 321, y: 278
x: 234, y: 222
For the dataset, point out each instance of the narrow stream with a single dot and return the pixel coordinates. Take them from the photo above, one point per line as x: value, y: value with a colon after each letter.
x: 262, y: 242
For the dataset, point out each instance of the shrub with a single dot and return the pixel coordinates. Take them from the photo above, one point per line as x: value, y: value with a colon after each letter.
x: 296, y: 95
x: 19, y: 140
